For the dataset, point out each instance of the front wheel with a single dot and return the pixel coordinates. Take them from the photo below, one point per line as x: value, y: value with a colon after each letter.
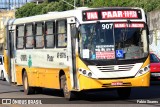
x: 27, y: 89
x: 67, y: 93
x: 124, y: 93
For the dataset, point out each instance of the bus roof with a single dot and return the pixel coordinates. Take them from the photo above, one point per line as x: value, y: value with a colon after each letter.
x: 62, y: 14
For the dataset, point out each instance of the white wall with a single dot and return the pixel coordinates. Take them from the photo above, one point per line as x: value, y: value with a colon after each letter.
x: 154, y: 27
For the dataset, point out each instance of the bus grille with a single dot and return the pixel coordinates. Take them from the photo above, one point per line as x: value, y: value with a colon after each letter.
x: 115, y: 68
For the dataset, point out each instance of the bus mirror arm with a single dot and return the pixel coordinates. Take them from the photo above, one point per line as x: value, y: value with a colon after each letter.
x: 147, y: 28
x: 74, y: 32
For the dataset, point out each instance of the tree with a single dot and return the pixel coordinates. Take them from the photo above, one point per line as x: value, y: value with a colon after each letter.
x: 59, y: 5
x: 38, y: 9
x: 25, y: 10
x: 53, y: 6
x: 147, y: 5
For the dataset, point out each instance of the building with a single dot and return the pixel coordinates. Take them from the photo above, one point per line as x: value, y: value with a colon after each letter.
x: 154, y: 27
x: 41, y: 1
x: 4, y: 15
x: 37, y: 1
x: 12, y: 4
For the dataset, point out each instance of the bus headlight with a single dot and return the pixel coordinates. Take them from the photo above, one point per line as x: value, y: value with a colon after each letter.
x: 90, y: 74
x: 86, y: 73
x: 143, y: 70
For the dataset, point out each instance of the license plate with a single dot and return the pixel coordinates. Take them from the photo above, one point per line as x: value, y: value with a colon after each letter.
x: 116, y: 83
x: 155, y: 74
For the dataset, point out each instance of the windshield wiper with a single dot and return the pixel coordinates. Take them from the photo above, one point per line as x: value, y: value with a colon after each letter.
x: 123, y: 36
x: 93, y: 32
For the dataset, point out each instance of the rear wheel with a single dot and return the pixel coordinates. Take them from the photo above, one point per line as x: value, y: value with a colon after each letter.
x: 2, y: 76
x: 67, y: 93
x: 124, y: 93
x: 27, y: 89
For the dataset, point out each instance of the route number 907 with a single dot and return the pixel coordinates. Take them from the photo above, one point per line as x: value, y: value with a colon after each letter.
x: 107, y: 26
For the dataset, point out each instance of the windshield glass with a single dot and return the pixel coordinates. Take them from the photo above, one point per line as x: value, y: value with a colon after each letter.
x: 108, y: 41
x: 154, y: 59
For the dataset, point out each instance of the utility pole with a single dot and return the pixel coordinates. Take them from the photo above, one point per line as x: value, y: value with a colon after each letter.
x: 9, y: 5
x: 70, y: 4
x: 83, y: 2
x: 74, y: 4
x: 18, y: 4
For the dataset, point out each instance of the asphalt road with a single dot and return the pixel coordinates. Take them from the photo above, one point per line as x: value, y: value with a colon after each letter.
x: 148, y: 97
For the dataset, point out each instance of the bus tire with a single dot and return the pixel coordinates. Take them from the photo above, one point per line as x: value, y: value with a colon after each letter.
x: 124, y: 93
x: 67, y: 93
x: 2, y: 76
x: 27, y: 89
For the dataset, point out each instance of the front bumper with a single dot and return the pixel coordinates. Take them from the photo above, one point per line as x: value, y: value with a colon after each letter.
x: 86, y: 83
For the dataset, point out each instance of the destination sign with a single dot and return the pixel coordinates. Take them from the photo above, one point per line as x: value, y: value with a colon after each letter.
x: 118, y: 14
x: 131, y: 25
x: 90, y: 15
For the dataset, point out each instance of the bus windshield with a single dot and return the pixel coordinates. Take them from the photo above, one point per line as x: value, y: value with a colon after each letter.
x: 109, y: 41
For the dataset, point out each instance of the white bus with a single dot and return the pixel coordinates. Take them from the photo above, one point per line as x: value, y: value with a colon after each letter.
x: 3, y: 73
x: 78, y: 50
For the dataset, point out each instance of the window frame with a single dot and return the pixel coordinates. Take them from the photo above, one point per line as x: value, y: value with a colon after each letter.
x: 20, y: 37
x: 43, y: 34
x: 61, y: 33
x: 29, y: 35
x: 54, y: 33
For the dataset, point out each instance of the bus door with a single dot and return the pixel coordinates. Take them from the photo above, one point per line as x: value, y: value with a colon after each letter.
x: 73, y: 46
x: 11, y: 55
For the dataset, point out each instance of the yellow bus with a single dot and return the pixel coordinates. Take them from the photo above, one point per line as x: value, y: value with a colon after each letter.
x: 78, y: 50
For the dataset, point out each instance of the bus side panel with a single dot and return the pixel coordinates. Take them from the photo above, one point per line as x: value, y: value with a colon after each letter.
x: 31, y: 75
x: 5, y: 53
x: 6, y: 66
x: 51, y: 78
x: 19, y: 75
x: 68, y: 77
x: 42, y: 77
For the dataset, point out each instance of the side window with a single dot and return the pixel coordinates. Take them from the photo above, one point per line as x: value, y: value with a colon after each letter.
x: 20, y: 37
x: 50, y: 34
x: 62, y: 33
x: 29, y: 36
x: 39, y: 28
